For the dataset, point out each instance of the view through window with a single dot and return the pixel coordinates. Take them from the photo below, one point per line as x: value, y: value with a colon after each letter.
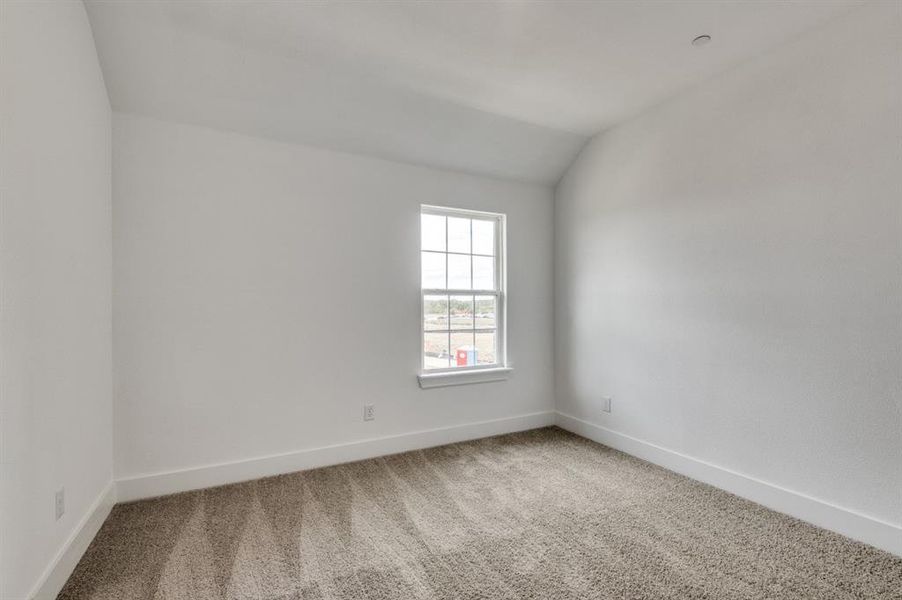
x: 463, y: 299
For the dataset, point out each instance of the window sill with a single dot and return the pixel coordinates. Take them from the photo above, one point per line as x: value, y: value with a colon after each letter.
x: 433, y: 380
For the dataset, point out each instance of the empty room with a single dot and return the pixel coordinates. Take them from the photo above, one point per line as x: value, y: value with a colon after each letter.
x: 450, y: 300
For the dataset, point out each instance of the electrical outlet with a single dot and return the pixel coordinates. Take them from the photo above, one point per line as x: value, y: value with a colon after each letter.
x: 369, y: 412
x: 606, y: 405
x: 60, y: 499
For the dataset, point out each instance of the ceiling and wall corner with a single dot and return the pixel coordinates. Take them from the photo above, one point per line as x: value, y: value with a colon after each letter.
x: 503, y: 90
x: 511, y: 90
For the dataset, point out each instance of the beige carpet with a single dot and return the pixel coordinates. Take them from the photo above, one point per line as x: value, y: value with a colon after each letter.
x: 541, y: 515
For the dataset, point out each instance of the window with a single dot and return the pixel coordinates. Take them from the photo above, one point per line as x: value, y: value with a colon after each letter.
x: 462, y: 290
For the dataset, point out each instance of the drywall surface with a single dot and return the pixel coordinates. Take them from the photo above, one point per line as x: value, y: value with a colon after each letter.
x: 264, y: 292
x: 55, y: 264
x: 729, y: 269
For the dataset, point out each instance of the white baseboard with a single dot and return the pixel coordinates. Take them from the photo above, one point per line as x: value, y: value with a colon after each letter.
x: 159, y: 484
x: 60, y: 568
x: 880, y: 534
x: 850, y: 523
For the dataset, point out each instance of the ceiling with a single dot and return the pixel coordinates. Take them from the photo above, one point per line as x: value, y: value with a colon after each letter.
x: 508, y: 89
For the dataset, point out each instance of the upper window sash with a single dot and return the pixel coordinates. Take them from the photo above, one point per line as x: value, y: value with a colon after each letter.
x: 496, y: 221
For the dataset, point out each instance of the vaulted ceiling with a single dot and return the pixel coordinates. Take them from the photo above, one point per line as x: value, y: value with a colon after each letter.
x: 508, y: 89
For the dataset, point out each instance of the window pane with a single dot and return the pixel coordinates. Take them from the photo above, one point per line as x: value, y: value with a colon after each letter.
x: 485, y: 348
x: 435, y: 312
x: 435, y: 350
x: 461, y: 312
x: 463, y: 351
x: 485, y: 312
x: 483, y: 273
x: 483, y: 237
x: 433, y: 269
x: 458, y: 272
x: 458, y: 235
x: 432, y: 228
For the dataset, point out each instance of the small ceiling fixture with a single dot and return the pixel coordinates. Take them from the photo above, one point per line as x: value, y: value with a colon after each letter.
x: 701, y: 40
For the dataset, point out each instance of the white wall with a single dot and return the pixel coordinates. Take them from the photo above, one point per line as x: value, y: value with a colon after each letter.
x: 55, y: 264
x: 729, y: 269
x: 264, y: 292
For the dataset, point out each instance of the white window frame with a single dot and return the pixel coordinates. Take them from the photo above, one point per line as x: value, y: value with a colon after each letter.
x: 476, y: 373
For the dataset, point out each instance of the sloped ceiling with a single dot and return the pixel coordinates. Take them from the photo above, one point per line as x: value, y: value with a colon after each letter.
x: 507, y: 89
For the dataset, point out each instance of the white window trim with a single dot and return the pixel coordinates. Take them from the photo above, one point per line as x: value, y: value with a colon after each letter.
x: 467, y: 376
x: 500, y: 370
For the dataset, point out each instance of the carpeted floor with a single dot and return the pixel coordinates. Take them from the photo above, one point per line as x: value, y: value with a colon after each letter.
x: 540, y: 515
